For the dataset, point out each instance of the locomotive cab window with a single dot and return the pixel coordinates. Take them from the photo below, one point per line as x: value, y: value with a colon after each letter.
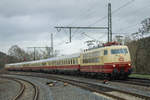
x: 119, y: 51
x: 125, y: 50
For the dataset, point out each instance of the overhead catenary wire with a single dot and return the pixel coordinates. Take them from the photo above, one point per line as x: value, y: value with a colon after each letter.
x: 114, y: 11
x: 88, y: 10
x: 135, y: 24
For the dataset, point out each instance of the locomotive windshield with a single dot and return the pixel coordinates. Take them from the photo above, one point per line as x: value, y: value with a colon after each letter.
x: 119, y: 51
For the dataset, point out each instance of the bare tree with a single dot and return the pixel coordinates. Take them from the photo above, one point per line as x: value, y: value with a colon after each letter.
x: 18, y: 53
x: 127, y: 39
x: 145, y: 26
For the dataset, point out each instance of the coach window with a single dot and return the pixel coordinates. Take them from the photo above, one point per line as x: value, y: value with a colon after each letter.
x: 67, y: 61
x: 43, y: 63
x: 105, y: 52
x: 61, y: 62
x: 73, y: 61
x: 57, y: 62
x: 49, y: 63
x: 53, y: 63
x: 70, y: 61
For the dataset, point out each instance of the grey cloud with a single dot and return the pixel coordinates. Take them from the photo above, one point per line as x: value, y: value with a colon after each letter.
x: 23, y: 20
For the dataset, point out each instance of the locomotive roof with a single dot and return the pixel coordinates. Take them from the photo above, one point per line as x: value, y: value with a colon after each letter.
x: 49, y: 59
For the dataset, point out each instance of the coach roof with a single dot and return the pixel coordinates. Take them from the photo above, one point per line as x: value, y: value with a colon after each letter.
x: 49, y: 59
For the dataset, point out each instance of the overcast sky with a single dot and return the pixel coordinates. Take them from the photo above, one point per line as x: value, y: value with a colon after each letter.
x: 30, y: 22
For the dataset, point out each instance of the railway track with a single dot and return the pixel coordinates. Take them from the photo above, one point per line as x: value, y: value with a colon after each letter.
x: 139, y: 82
x: 23, y: 86
x: 111, y: 92
x: 135, y: 81
x: 104, y: 90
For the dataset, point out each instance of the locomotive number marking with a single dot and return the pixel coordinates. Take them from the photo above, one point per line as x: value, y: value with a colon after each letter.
x: 121, y: 59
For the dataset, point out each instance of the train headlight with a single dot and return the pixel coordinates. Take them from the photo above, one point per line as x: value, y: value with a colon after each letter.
x: 114, y: 65
x: 129, y: 64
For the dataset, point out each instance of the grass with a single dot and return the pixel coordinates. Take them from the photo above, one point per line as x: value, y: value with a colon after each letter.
x: 140, y: 76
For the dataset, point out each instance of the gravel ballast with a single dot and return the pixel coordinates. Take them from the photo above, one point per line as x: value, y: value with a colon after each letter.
x: 8, y: 89
x: 59, y: 91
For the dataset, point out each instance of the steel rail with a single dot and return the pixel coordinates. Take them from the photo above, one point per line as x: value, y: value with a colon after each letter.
x: 90, y: 85
x: 135, y: 82
x: 21, y: 91
x: 97, y: 86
